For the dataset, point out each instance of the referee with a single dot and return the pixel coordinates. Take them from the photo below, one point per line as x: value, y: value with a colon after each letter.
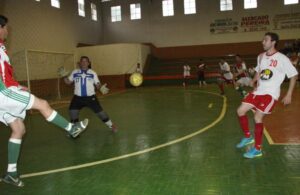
x: 85, y: 81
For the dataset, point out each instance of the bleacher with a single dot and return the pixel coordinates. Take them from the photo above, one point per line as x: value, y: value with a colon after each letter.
x: 170, y: 72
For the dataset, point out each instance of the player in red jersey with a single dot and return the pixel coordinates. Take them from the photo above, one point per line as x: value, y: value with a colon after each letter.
x: 15, y: 100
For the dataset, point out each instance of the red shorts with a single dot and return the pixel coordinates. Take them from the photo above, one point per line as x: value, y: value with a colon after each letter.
x: 263, y: 103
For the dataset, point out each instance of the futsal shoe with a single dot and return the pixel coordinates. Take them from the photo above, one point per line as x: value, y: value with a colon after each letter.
x: 82, y: 124
x: 114, y: 128
x: 78, y: 128
x: 244, y: 142
x: 253, y: 153
x: 16, y: 181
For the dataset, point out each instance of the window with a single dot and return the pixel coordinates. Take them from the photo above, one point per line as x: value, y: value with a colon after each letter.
x: 55, y: 3
x: 94, y: 12
x: 248, y: 4
x: 135, y: 11
x: 116, y: 13
x: 189, y: 6
x: 81, y: 11
x: 168, y: 8
x: 287, y: 2
x: 225, y: 5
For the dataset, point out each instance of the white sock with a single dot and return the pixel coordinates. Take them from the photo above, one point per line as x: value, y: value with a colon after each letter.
x: 12, y: 168
x: 109, y: 123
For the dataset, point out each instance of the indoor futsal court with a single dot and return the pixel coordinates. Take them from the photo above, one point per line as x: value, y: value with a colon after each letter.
x: 168, y: 120
x: 188, y: 149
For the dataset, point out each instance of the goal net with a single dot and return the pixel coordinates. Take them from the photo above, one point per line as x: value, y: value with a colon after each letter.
x: 37, y: 70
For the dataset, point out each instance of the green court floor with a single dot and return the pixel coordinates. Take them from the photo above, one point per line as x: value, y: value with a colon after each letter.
x: 170, y: 141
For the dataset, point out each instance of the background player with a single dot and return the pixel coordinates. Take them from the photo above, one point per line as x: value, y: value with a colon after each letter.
x: 186, y: 74
x: 226, y: 75
x: 200, y: 72
x: 241, y: 75
x: 272, y: 67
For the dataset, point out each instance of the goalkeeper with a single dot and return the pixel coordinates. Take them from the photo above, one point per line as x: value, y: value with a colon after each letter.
x: 85, y: 81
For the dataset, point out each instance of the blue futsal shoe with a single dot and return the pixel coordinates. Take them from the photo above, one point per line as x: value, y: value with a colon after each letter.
x: 245, y: 141
x: 253, y: 153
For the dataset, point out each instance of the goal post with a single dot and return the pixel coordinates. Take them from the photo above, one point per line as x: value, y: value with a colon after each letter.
x: 37, y: 70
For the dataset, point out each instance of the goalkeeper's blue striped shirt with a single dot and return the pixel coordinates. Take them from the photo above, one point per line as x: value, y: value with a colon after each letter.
x: 84, y: 81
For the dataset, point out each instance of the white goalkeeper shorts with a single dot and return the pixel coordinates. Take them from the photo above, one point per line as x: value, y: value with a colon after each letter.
x: 13, y: 104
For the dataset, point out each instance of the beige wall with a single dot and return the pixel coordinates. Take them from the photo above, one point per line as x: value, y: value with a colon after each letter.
x: 115, y: 59
x: 39, y: 26
x: 183, y: 29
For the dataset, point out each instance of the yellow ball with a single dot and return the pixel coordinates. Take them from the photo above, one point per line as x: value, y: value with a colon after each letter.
x: 136, y: 79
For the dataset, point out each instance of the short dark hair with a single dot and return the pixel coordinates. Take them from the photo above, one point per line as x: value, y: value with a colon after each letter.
x: 88, y: 59
x: 274, y: 37
x: 3, y: 20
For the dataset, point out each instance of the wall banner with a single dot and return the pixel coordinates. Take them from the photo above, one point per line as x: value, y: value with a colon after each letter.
x: 286, y: 21
x: 227, y: 25
x: 255, y: 23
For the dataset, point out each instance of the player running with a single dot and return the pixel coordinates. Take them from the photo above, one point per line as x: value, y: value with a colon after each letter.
x: 226, y: 75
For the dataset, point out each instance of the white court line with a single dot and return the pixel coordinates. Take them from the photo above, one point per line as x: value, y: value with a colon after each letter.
x: 294, y: 177
x: 271, y: 141
x: 269, y: 138
x: 220, y: 117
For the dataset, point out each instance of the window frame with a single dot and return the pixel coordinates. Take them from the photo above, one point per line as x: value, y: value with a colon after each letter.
x: 169, y: 10
x: 250, y: 4
x: 136, y: 12
x: 192, y: 9
x: 290, y: 3
x: 116, y: 18
x: 225, y: 4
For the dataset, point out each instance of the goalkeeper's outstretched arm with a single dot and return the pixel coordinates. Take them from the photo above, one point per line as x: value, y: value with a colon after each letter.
x: 67, y: 81
x: 102, y: 88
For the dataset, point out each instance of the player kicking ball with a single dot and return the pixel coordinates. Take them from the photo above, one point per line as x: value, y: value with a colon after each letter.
x: 85, y: 81
x: 272, y: 67
x: 15, y: 100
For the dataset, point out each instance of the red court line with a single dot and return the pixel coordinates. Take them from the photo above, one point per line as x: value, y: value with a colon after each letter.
x: 178, y: 76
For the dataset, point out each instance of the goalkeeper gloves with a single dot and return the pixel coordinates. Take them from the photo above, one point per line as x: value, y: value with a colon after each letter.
x: 103, y: 89
x: 62, y: 72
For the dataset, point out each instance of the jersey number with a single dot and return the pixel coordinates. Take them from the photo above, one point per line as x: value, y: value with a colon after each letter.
x: 273, y: 63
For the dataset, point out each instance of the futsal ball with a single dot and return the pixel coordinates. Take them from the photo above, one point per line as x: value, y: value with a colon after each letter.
x: 136, y: 79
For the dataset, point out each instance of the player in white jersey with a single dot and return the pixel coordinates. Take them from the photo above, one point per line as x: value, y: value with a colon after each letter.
x: 272, y: 67
x: 241, y: 75
x: 139, y: 68
x: 186, y: 74
x: 226, y: 75
x: 85, y: 81
x: 15, y: 100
